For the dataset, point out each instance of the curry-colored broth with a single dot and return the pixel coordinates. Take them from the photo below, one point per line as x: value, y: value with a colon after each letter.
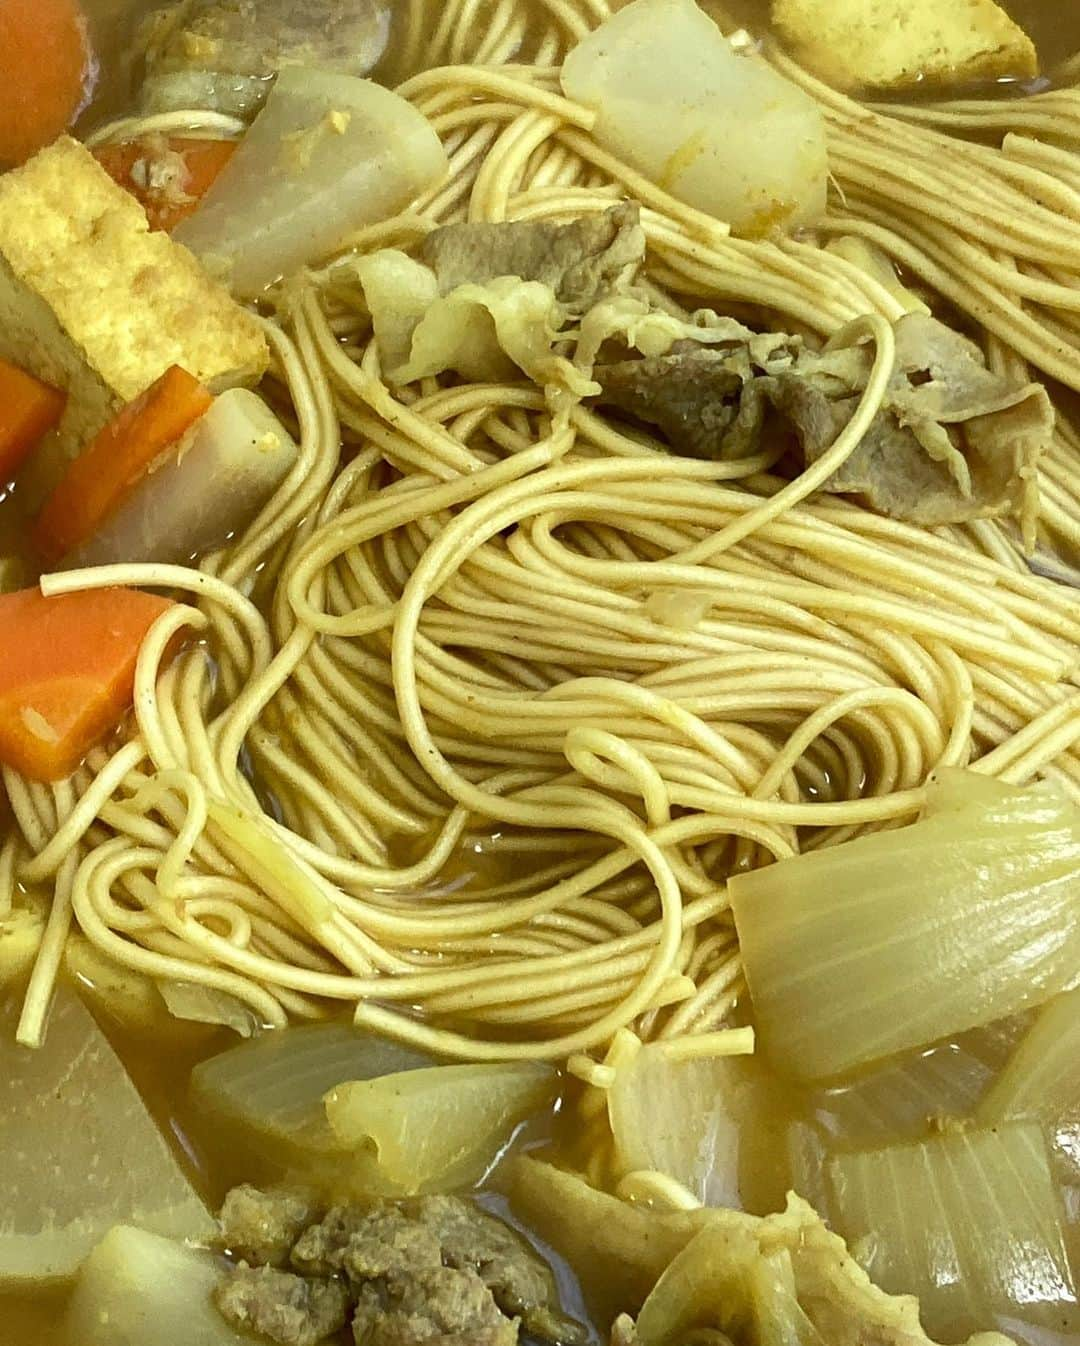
x: 162, y: 1074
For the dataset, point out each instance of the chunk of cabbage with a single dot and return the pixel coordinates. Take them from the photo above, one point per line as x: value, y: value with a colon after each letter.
x: 327, y: 155
x: 1042, y: 1078
x: 81, y: 1152
x: 854, y: 953
x: 785, y: 1278
x: 138, y: 1289
x: 623, y: 1248
x: 485, y: 333
x: 969, y: 1220
x: 441, y: 1127
x: 707, y: 1122
x: 904, y: 1099
x: 707, y: 1285
x: 717, y: 129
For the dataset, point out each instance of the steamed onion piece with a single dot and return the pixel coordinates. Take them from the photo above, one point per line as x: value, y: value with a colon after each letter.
x: 970, y: 1221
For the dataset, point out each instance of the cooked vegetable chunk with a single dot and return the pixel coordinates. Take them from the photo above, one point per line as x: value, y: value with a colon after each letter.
x: 94, y: 304
x: 898, y: 44
x: 273, y: 1087
x: 969, y: 1221
x: 204, y: 486
x: 326, y: 156
x: 28, y: 410
x: 685, y: 1119
x: 67, y: 672
x: 854, y: 954
x: 439, y: 1127
x: 701, y: 1268
x: 626, y: 1246
x: 223, y: 54
x: 1042, y: 1078
x: 674, y: 99
x: 82, y: 1153
x: 46, y: 60
x: 104, y: 474
x: 168, y: 177
x: 138, y: 1289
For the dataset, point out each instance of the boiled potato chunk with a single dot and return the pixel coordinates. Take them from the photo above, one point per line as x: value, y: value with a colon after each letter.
x: 81, y: 1153
x: 138, y: 1289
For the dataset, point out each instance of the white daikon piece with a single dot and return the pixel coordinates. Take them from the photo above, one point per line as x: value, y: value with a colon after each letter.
x: 81, y: 1153
x: 139, y: 1289
x: 327, y: 155
x: 716, y: 128
x: 204, y: 488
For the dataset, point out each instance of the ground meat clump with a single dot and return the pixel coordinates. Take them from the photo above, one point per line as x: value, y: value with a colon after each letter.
x: 287, y: 1309
x: 520, y: 1283
x: 260, y: 1228
x: 435, y: 1304
x: 434, y: 1271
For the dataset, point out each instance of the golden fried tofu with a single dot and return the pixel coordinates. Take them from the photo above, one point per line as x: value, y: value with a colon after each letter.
x: 95, y: 304
x: 896, y: 44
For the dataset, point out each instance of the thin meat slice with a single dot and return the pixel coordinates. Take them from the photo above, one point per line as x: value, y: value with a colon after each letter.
x: 580, y: 262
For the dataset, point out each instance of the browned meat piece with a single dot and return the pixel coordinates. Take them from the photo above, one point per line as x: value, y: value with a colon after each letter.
x: 225, y: 53
x: 945, y: 413
x: 693, y: 398
x: 581, y: 261
x: 432, y: 1307
x: 261, y: 1227
x: 520, y: 1282
x: 286, y: 1309
x: 954, y: 441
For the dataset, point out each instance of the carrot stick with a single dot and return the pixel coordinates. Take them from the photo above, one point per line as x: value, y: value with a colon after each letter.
x: 29, y: 409
x: 46, y: 64
x: 67, y: 673
x: 116, y: 459
x: 168, y: 176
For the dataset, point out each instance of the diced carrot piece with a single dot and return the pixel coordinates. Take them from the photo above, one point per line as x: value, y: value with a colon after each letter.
x: 116, y: 459
x: 168, y: 176
x: 67, y: 673
x: 46, y: 64
x: 29, y: 409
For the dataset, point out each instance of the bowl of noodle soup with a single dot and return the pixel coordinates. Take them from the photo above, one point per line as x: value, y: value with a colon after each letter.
x: 648, y: 694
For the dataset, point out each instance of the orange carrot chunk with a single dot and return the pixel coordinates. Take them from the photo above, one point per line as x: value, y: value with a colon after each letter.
x: 29, y: 409
x: 168, y: 176
x: 115, y: 461
x: 67, y: 673
x: 46, y: 65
